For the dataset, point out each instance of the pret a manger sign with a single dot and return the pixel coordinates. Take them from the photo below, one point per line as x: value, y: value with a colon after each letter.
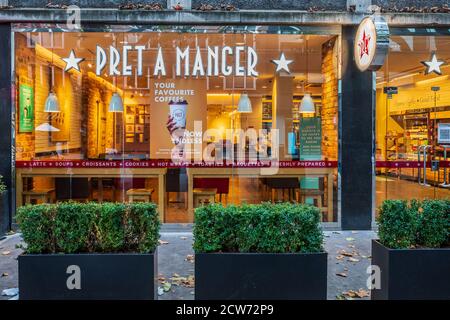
x: 189, y: 61
x: 371, y: 43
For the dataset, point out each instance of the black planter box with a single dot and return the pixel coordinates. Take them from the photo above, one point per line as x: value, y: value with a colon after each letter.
x: 261, y: 276
x: 408, y: 274
x: 102, y: 276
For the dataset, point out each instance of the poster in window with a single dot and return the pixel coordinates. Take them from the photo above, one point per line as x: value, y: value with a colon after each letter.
x: 129, y: 128
x: 139, y: 128
x: 26, y: 108
x: 310, y: 138
x: 129, y: 118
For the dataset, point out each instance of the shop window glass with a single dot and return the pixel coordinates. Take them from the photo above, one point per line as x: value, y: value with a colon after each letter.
x: 408, y: 121
x: 182, y: 116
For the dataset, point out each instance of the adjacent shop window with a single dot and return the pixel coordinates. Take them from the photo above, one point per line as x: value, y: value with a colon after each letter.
x: 412, y: 122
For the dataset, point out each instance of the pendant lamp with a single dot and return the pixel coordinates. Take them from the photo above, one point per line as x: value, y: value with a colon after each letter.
x: 244, y: 104
x: 307, y: 103
x: 51, y: 103
x: 116, y: 103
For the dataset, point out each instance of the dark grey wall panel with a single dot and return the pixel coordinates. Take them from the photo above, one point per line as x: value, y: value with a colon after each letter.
x: 356, y: 140
x: 5, y: 124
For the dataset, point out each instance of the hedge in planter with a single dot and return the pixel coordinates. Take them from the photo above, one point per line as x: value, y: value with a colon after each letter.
x: 413, y: 251
x: 266, y: 251
x: 88, y: 251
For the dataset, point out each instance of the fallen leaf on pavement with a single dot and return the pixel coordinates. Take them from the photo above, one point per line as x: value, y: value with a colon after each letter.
x: 163, y: 242
x: 183, y: 281
x: 342, y: 274
x: 345, y: 253
x: 189, y: 258
x: 166, y: 286
x: 362, y: 293
x: 350, y: 239
x: 6, y: 253
x: 340, y: 257
x: 356, y: 294
x: 353, y: 260
x: 183, y: 238
x: 5, y: 274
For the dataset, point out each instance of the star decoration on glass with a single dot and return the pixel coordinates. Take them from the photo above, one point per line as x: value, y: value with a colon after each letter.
x: 434, y: 65
x: 364, y: 45
x: 72, y: 61
x: 282, y: 63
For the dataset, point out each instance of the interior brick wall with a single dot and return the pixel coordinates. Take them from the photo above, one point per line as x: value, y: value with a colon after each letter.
x: 329, y: 112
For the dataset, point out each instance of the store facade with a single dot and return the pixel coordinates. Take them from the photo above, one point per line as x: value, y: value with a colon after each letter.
x: 201, y: 111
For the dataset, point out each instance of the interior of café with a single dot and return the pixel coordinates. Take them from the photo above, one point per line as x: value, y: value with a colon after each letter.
x: 88, y: 101
x: 412, y: 123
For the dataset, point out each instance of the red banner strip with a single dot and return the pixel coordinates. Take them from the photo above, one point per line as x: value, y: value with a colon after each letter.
x: 169, y: 164
x: 409, y: 164
x: 244, y: 164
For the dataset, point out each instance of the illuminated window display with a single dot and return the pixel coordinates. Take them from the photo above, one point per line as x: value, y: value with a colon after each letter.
x: 413, y: 111
x: 179, y: 118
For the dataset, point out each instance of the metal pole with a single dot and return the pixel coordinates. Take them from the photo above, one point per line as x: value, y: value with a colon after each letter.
x: 425, y: 149
x: 419, y: 150
x: 445, y: 184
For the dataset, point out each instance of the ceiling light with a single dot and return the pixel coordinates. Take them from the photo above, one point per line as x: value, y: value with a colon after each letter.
x: 244, y: 104
x: 51, y: 103
x: 307, y: 104
x: 116, y: 103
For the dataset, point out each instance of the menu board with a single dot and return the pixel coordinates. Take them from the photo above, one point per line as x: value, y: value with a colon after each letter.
x: 310, y: 138
x: 26, y: 108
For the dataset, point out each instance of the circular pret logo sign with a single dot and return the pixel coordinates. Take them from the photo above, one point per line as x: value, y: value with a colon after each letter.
x: 371, y: 43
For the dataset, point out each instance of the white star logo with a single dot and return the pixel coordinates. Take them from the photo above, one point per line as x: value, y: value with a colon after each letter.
x: 434, y: 65
x: 282, y: 63
x: 72, y: 62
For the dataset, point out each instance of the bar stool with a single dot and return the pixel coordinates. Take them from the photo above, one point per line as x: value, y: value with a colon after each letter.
x: 204, y: 196
x: 139, y: 195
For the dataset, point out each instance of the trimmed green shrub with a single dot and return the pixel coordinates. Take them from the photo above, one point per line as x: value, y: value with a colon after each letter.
x: 414, y: 224
x: 263, y: 228
x: 37, y: 225
x: 397, y: 224
x: 70, y: 227
x: 216, y: 228
x: 434, y: 223
x: 110, y: 226
x: 141, y: 227
x: 73, y: 225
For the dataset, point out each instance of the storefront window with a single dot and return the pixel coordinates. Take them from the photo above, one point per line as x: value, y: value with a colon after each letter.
x: 412, y: 116
x: 182, y: 116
